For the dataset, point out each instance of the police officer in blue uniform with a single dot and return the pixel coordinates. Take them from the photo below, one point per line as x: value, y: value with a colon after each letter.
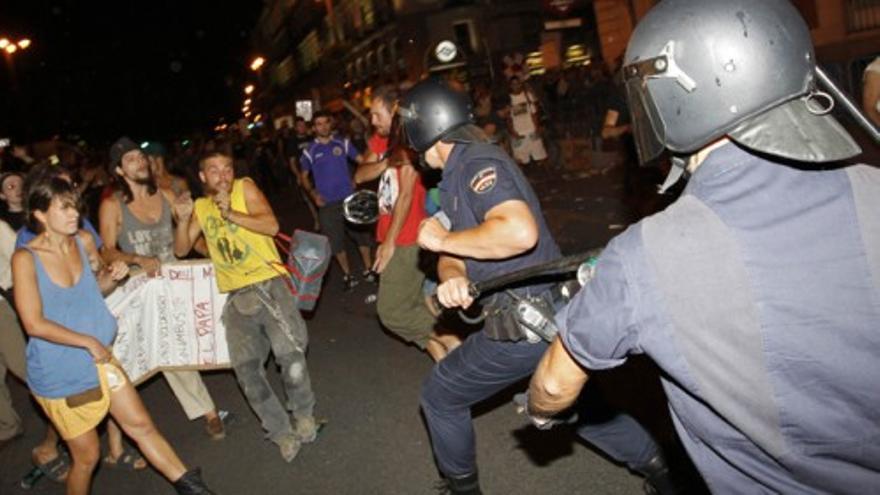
x: 758, y: 291
x: 496, y: 226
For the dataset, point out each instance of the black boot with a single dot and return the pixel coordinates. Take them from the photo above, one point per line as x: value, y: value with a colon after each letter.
x: 657, y: 478
x: 191, y: 484
x: 467, y: 484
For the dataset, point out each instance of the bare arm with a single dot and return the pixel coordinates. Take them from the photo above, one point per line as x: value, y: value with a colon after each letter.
x: 370, y: 168
x: 610, y: 129
x: 30, y: 309
x: 454, y: 288
x: 557, y: 382
x: 450, y: 267
x: 259, y: 218
x: 408, y: 177
x: 188, y: 229
x: 107, y: 274
x: 511, y: 221
x: 310, y: 189
x: 870, y: 96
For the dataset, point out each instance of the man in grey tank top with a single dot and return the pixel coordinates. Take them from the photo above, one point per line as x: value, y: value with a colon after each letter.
x: 758, y: 291
x: 136, y: 225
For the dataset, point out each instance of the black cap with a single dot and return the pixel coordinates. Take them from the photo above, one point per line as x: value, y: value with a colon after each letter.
x: 122, y: 146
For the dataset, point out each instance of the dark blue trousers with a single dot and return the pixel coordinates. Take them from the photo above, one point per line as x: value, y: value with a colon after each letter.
x: 480, y: 368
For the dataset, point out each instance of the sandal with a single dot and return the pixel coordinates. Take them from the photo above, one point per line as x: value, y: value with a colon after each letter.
x: 128, y: 460
x: 56, y: 468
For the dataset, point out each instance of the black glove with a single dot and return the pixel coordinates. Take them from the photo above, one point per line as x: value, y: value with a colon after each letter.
x: 522, y: 407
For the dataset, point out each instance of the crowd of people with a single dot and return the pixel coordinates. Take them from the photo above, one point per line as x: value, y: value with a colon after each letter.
x: 769, y: 364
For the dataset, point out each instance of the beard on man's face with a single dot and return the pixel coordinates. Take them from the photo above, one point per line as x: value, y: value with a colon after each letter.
x: 145, y: 180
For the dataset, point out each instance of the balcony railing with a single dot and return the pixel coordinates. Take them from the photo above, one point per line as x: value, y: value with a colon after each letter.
x: 862, y: 15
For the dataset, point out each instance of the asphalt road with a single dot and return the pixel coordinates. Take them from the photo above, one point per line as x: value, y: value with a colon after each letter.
x: 367, y: 384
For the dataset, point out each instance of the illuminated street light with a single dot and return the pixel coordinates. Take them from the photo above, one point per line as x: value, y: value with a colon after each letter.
x: 247, y: 102
x: 257, y: 63
x: 11, y: 46
x: 249, y: 89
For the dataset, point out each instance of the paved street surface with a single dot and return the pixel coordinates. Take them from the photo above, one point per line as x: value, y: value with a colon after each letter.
x: 367, y: 384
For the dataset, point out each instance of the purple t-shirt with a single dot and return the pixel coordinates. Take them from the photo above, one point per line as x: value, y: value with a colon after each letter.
x: 328, y: 164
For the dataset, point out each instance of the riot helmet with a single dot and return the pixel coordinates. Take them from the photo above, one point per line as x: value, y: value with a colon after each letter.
x: 432, y: 111
x: 697, y: 70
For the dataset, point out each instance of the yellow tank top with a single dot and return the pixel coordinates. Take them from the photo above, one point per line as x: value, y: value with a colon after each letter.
x: 239, y: 255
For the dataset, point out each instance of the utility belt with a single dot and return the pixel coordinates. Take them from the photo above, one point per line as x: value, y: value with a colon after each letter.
x: 513, y: 317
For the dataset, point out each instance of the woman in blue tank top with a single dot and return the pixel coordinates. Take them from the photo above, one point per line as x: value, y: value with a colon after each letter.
x: 70, y: 370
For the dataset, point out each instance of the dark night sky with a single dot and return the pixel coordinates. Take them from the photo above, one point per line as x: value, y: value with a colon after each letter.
x: 150, y: 69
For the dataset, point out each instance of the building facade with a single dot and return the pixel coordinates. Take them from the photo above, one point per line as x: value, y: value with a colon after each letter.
x: 332, y: 51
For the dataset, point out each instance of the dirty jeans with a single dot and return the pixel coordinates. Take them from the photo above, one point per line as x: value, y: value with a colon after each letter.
x: 481, y: 367
x: 259, y: 318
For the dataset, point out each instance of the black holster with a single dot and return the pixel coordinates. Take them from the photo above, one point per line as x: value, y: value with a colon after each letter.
x: 513, y: 317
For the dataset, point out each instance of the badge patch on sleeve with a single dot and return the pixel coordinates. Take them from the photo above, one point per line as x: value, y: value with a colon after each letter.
x: 484, y: 180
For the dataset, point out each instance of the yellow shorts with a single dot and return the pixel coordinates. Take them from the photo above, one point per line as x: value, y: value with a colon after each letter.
x: 72, y: 422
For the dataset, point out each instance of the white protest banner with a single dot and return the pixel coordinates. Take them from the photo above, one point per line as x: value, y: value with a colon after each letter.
x: 171, y: 321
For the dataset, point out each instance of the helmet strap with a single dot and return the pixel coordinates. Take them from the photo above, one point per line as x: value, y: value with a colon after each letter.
x: 676, y: 171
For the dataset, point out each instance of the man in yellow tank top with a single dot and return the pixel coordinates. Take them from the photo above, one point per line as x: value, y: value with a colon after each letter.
x: 260, y: 314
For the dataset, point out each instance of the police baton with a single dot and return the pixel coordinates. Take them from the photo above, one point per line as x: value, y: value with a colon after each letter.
x: 582, y: 263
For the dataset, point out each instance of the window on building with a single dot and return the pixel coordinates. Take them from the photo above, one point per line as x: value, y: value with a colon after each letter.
x: 372, y: 69
x: 285, y: 71
x: 309, y: 50
x: 368, y: 13
x: 397, y: 54
x: 382, y: 60
x: 861, y: 15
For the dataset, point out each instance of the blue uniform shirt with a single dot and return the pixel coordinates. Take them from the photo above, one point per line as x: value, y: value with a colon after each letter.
x: 328, y: 164
x: 476, y: 178
x: 757, y: 294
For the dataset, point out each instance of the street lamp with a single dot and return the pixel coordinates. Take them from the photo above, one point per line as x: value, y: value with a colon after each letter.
x: 249, y: 89
x: 11, y: 47
x: 257, y: 63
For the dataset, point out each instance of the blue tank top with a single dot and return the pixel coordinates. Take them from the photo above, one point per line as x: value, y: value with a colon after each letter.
x: 56, y: 370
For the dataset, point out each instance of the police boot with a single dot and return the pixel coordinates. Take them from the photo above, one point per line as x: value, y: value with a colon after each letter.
x: 467, y: 484
x: 657, y: 478
x: 191, y: 484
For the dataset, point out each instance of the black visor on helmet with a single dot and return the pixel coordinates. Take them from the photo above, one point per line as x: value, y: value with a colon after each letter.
x: 649, y: 130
